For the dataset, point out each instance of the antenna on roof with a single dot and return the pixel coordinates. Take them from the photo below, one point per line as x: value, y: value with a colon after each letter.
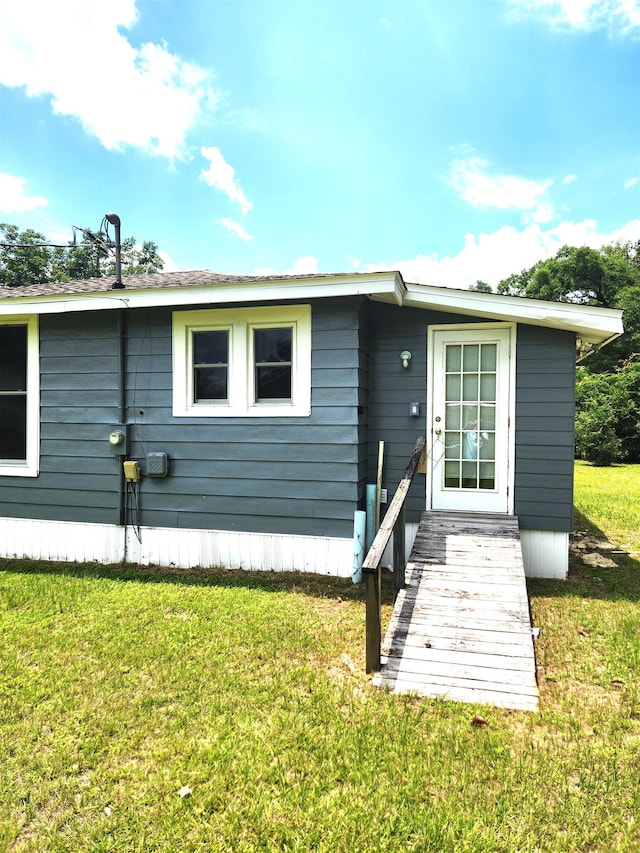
x: 114, y: 219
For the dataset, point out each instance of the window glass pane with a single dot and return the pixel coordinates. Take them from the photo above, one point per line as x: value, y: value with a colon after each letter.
x: 13, y: 427
x: 272, y: 345
x: 469, y: 417
x: 453, y: 358
x: 272, y: 349
x: 452, y: 475
x: 13, y: 358
x: 211, y: 347
x: 471, y: 358
x: 273, y: 383
x: 487, y: 417
x: 488, y: 445
x: 470, y: 386
x: 472, y: 442
x: 210, y: 365
x: 452, y: 445
x: 488, y: 357
x: 453, y: 388
x: 452, y: 417
x: 210, y: 383
x: 487, y: 475
x: 488, y: 386
x: 469, y: 475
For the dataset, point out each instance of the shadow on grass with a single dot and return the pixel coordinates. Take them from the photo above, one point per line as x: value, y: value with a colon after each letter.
x: 584, y: 581
x: 319, y: 586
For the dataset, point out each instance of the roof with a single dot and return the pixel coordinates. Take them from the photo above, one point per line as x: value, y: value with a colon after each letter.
x: 594, y: 326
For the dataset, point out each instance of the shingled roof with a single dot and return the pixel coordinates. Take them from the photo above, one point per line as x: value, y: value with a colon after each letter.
x: 152, y: 281
x: 593, y: 325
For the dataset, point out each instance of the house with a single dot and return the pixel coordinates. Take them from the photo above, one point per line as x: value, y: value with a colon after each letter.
x: 248, y: 411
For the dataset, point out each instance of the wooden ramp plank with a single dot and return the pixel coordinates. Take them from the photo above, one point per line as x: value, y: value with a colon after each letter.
x: 461, y: 628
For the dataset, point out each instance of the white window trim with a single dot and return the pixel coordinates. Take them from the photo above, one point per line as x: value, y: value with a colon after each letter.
x: 30, y: 466
x: 240, y: 323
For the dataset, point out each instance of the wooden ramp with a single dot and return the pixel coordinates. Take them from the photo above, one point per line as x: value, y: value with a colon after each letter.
x: 461, y: 628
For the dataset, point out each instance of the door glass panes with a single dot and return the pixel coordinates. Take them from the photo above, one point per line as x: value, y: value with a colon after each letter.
x: 211, y: 366
x: 13, y: 393
x: 470, y: 416
x: 272, y: 349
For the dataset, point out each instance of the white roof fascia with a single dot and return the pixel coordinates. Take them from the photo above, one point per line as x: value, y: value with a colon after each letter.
x: 592, y: 324
x: 385, y: 285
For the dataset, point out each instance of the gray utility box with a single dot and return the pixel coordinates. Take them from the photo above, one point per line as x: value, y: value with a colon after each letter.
x: 157, y: 464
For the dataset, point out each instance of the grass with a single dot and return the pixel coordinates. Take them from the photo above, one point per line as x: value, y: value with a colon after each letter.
x: 149, y: 710
x: 608, y: 497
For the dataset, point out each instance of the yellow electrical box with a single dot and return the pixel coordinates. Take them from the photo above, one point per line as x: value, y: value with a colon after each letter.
x: 131, y: 471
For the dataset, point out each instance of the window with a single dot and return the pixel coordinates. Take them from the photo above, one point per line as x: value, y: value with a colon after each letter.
x: 19, y: 397
x: 239, y: 362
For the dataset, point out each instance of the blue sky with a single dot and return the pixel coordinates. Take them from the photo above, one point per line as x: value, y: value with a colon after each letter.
x: 454, y: 140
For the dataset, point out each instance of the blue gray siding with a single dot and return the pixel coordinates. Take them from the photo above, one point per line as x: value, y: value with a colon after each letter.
x: 284, y: 475
x: 78, y: 378
x: 391, y: 390
x: 393, y: 330
x: 545, y: 361
x: 296, y: 475
x: 303, y: 475
x: 545, y: 414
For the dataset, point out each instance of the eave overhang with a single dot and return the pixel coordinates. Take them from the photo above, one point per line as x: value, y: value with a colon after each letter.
x: 388, y: 286
x: 593, y: 326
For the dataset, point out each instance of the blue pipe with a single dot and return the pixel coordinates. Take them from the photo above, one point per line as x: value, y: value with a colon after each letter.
x: 359, y: 525
x: 371, y: 497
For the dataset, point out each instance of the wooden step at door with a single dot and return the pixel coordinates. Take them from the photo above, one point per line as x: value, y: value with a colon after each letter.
x: 461, y: 628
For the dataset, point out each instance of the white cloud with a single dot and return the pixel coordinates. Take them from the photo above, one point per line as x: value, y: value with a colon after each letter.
x: 222, y: 176
x: 569, y: 179
x: 471, y: 179
x: 236, y: 229
x: 307, y: 265
x: 169, y: 264
x: 619, y: 17
x: 632, y: 182
x: 13, y: 195
x: 75, y: 54
x: 492, y: 257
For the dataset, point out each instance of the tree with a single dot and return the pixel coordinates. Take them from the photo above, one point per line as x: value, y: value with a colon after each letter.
x: 608, y: 415
x: 481, y: 287
x: 609, y: 277
x: 25, y: 260
x: 608, y: 382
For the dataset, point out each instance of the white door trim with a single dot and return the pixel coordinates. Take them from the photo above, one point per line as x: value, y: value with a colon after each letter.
x: 469, y: 327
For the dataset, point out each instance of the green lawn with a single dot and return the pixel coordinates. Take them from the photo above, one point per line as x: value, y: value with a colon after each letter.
x: 147, y: 710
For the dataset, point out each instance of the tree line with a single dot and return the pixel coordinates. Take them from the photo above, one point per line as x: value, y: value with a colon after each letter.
x: 26, y: 257
x: 607, y: 381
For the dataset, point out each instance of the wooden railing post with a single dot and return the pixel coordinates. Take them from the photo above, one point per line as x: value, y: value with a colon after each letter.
x: 374, y: 621
x: 393, y: 520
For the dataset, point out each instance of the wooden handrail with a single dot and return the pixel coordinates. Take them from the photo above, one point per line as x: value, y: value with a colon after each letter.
x: 393, y: 519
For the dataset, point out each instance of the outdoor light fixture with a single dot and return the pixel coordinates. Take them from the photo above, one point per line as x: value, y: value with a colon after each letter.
x: 405, y: 357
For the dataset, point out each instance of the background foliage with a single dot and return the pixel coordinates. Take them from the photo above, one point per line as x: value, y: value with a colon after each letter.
x: 608, y: 381
x: 25, y: 260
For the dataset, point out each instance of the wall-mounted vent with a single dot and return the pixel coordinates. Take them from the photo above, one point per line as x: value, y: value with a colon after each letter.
x: 157, y: 464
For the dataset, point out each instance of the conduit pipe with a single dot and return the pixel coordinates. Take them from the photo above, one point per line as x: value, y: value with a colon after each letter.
x: 359, y: 550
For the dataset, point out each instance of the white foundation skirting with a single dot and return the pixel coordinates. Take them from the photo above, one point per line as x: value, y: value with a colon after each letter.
x: 65, y: 541
x: 545, y: 553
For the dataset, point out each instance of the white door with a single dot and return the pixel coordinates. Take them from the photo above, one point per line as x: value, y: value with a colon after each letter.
x: 469, y: 416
